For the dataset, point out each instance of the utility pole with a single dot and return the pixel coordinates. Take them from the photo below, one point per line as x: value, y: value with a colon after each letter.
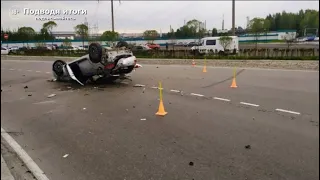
x: 233, y: 18
x: 112, y: 18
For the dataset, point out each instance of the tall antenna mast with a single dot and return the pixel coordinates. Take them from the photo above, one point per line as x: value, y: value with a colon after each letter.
x: 112, y: 17
x: 223, y: 22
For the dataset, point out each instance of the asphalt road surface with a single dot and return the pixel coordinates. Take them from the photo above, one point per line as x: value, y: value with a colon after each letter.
x: 267, y: 128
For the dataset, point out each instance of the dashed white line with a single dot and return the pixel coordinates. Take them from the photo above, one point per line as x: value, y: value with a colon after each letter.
x: 19, y: 69
x: 32, y: 166
x: 249, y: 104
x: 11, y: 69
x: 156, y: 88
x: 194, y: 94
x: 38, y: 71
x: 173, y: 90
x: 287, y: 111
x: 48, y: 72
x: 221, y: 99
x: 29, y: 70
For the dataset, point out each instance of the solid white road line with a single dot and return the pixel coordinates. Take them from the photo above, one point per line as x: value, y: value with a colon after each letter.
x: 249, y: 104
x: 221, y: 99
x: 173, y: 90
x: 32, y: 166
x: 194, y: 94
x: 287, y: 111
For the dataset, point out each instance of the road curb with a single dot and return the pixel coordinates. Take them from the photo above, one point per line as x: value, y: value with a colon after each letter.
x: 24, y: 157
x: 5, y: 172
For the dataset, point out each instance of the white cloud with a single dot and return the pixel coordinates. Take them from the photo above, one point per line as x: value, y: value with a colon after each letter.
x: 137, y: 16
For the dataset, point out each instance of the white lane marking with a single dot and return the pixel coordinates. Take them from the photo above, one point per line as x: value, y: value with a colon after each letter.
x: 221, y: 99
x: 19, y: 69
x: 48, y: 72
x: 173, y: 90
x: 29, y: 70
x: 38, y: 71
x: 287, y: 111
x: 249, y: 104
x: 45, y: 102
x: 194, y: 94
x: 156, y: 88
x: 32, y: 166
x: 12, y: 69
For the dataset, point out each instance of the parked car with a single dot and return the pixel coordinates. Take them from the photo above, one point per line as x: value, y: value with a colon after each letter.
x: 191, y: 44
x: 153, y: 46
x: 85, y: 47
x: 4, y: 51
x: 140, y: 48
x: 99, y: 63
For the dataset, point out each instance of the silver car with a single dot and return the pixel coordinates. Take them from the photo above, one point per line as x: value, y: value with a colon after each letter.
x: 100, y: 63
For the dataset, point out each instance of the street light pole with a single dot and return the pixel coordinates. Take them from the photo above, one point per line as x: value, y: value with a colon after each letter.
x: 112, y: 17
x: 233, y: 18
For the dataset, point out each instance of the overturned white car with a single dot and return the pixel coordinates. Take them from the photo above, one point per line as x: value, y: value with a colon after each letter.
x: 100, y: 63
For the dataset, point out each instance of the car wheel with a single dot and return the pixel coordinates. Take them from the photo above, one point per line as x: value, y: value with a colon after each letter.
x: 95, y: 52
x: 57, y: 67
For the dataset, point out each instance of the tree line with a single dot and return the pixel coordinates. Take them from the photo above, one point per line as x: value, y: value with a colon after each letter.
x: 305, y: 22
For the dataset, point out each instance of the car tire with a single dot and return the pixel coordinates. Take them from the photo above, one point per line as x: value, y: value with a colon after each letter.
x: 57, y: 67
x: 95, y: 52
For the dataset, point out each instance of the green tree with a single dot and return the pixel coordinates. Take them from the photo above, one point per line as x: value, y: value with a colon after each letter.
x: 214, y: 32
x: 192, y: 29
x: 257, y: 26
x: 109, y: 36
x: 150, y: 35
x: 297, y: 21
x: 225, y: 41
x: 26, y: 34
x: 48, y: 27
x: 82, y: 31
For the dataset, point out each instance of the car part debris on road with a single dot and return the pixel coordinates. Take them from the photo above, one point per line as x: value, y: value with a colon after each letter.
x: 51, y: 95
x: 139, y: 85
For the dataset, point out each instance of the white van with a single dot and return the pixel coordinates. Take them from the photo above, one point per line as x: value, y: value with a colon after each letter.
x: 212, y: 44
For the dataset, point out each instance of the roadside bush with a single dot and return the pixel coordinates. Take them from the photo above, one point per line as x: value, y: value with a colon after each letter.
x: 272, y: 54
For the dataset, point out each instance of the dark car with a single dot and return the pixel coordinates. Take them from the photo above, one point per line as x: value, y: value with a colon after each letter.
x: 191, y: 44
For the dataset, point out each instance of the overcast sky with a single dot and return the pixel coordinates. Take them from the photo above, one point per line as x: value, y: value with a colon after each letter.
x: 137, y: 16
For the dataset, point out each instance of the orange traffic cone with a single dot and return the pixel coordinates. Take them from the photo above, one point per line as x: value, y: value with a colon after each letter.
x: 161, y: 111
x: 204, y: 69
x: 234, y: 84
x: 193, y: 63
